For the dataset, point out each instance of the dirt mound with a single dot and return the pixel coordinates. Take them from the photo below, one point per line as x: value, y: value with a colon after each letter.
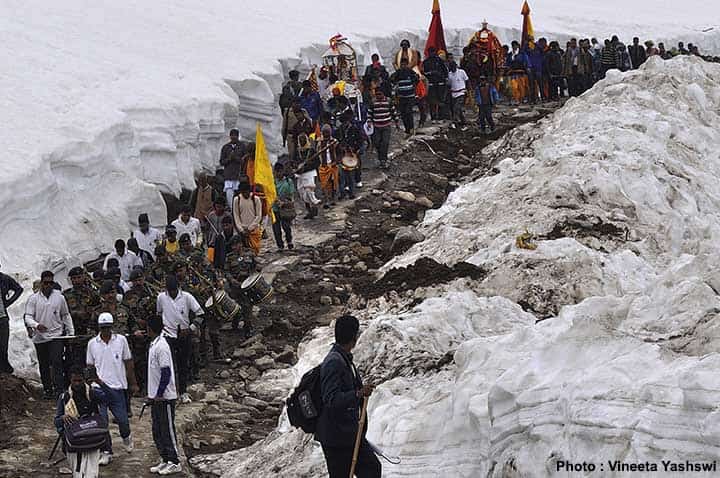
x: 423, y: 273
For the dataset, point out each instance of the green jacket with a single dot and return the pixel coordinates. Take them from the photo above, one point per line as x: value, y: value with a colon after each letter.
x: 285, y: 192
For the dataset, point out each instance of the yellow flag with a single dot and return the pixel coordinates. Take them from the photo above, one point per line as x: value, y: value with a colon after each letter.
x: 264, y: 171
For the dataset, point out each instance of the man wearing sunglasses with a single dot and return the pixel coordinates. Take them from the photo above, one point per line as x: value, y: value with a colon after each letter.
x: 47, y: 314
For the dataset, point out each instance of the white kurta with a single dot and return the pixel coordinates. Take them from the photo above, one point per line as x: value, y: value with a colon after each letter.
x: 89, y: 464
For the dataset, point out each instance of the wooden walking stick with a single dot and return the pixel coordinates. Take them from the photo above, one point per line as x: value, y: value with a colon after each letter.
x: 358, y: 438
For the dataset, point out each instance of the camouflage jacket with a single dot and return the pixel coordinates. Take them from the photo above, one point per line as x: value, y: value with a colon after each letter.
x: 123, y: 323
x: 81, y: 301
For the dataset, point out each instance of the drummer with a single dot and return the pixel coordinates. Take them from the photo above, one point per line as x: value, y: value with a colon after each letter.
x: 240, y: 264
x: 351, y: 140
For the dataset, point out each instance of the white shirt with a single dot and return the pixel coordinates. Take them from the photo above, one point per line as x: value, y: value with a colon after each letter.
x: 192, y: 228
x: 109, y: 360
x: 159, y: 357
x: 52, y: 312
x: 176, y: 312
x: 457, y: 81
x: 147, y: 242
x: 127, y: 261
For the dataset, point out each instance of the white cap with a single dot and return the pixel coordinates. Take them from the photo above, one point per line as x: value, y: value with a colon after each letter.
x: 105, y: 319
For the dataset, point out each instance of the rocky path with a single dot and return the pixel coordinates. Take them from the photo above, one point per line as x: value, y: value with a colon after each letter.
x: 238, y: 401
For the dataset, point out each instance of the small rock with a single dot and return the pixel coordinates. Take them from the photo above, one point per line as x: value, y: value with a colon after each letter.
x: 281, y: 289
x: 337, y: 301
x: 365, y: 211
x: 424, y: 202
x: 377, y: 192
x: 196, y: 391
x: 386, y: 205
x: 354, y: 237
x: 306, y: 262
x: 404, y: 195
x: 325, y: 300
x: 360, y: 267
x: 256, y: 403
x: 364, y: 251
x: 407, y: 236
x: 286, y: 357
x: 225, y: 374
x: 264, y: 363
x: 439, y: 181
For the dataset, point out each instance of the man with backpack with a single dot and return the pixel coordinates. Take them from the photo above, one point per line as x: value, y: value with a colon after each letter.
x: 342, y: 392
x: 81, y: 403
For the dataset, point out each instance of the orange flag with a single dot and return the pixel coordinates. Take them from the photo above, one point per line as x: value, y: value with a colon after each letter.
x: 527, y: 28
x: 436, y: 37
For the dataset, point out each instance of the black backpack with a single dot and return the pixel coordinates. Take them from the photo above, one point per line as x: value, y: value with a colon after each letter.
x: 305, y: 403
x: 87, y: 433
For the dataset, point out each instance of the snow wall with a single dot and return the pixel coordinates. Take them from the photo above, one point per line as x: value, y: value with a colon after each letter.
x: 620, y: 188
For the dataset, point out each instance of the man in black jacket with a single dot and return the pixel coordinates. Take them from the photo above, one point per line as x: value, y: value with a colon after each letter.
x: 637, y: 54
x: 231, y: 159
x: 342, y: 395
x: 436, y: 72
x: 7, y: 285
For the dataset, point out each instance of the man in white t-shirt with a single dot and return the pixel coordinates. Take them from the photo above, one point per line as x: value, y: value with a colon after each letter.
x: 174, y: 306
x: 457, y: 79
x: 110, y: 355
x: 126, y: 260
x: 162, y: 395
x: 186, y: 224
x: 48, y: 317
x: 147, y: 237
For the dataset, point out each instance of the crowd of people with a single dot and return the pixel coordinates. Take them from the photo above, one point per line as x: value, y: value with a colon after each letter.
x: 544, y: 71
x: 144, y: 323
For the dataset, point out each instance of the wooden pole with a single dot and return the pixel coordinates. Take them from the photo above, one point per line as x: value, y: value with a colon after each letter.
x: 358, y: 437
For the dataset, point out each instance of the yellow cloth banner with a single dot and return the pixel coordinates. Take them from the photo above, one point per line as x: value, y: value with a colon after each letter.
x: 264, y: 171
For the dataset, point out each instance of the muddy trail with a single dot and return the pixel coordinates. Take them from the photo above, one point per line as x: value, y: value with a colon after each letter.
x: 332, y: 270
x: 314, y: 284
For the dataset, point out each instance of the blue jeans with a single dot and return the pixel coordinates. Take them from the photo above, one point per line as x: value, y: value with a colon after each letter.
x: 347, y: 180
x: 117, y: 404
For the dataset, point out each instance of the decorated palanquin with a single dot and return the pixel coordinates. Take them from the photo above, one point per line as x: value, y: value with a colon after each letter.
x: 483, y: 55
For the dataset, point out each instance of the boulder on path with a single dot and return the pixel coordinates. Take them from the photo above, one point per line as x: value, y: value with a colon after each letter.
x: 325, y: 300
x: 438, y: 180
x: 404, y: 196
x: 407, y: 236
x: 424, y: 202
x: 264, y: 363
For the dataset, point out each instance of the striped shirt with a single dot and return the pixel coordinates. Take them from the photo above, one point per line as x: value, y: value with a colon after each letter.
x: 382, y: 113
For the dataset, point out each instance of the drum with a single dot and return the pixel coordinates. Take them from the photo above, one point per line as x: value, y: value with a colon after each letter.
x: 255, y: 289
x: 223, y: 304
x: 349, y: 163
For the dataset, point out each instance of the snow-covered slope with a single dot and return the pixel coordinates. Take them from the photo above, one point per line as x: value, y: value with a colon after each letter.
x: 620, y: 186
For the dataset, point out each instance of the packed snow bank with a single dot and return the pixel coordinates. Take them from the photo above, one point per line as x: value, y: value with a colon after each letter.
x: 620, y: 187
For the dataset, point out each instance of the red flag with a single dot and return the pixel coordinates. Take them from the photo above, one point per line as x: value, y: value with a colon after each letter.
x: 312, y: 78
x: 527, y: 28
x: 436, y: 38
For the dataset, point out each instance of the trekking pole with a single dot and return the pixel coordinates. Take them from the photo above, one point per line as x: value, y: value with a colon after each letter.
x: 57, y: 442
x: 358, y: 438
